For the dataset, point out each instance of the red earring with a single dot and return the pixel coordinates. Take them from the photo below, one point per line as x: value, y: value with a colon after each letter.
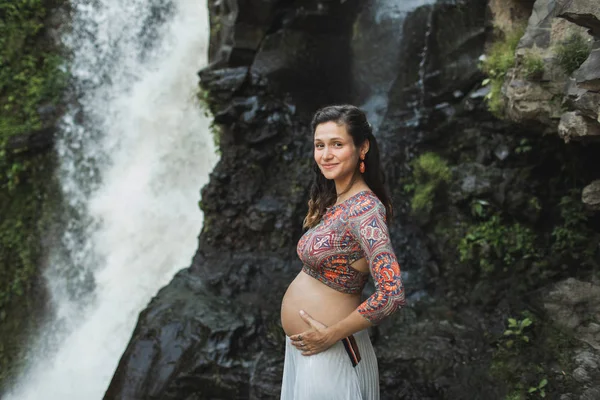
x: 361, y: 167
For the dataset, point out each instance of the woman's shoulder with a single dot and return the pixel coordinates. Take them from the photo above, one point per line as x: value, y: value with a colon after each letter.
x: 366, y: 202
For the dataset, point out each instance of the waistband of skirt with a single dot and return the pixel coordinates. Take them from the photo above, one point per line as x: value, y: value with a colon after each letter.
x: 359, y: 334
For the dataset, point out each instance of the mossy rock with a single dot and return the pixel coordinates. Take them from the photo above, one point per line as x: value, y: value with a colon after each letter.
x: 31, y: 217
x: 32, y: 83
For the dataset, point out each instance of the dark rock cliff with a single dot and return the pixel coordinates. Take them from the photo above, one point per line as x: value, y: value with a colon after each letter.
x: 214, y: 333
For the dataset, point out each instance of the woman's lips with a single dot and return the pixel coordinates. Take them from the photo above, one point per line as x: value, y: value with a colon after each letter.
x: 329, y: 166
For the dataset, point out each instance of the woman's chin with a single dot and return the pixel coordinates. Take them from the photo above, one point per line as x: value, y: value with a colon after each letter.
x: 329, y: 174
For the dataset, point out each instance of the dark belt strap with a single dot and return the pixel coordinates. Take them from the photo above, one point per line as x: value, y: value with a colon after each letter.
x: 352, y: 349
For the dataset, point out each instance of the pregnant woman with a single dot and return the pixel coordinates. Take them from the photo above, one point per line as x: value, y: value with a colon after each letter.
x: 328, y: 351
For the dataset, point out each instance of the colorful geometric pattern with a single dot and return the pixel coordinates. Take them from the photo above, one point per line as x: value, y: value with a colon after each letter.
x: 349, y: 231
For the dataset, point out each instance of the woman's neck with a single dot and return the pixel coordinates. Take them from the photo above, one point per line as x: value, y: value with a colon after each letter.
x: 344, y: 192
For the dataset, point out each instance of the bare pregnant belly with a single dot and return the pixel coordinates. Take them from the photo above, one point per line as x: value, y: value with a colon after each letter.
x: 321, y: 302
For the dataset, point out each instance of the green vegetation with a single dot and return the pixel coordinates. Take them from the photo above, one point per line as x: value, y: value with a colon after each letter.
x: 30, y: 73
x: 28, y: 213
x: 516, y: 331
x: 501, y: 247
x: 203, y: 97
x: 31, y: 77
x: 430, y: 173
x: 517, y: 238
x: 572, y: 237
x: 516, y: 226
x: 526, y: 365
x: 32, y: 81
x: 500, y: 58
x: 523, y: 147
x: 539, y: 388
x: 572, y: 52
x: 494, y: 245
x: 533, y: 65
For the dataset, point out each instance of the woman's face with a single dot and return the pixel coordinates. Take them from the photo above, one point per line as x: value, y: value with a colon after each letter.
x: 335, y: 152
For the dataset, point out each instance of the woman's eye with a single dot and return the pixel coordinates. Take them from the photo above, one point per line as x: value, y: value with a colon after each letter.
x: 338, y: 144
x: 318, y: 145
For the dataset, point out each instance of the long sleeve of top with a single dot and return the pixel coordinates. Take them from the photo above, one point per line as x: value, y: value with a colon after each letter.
x: 367, y: 224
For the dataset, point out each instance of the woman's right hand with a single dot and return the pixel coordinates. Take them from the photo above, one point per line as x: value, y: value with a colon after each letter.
x: 314, y: 340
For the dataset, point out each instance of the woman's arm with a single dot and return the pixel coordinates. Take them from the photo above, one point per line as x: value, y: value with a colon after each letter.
x: 368, y: 226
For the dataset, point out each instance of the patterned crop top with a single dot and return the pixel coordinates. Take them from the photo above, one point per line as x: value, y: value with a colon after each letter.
x: 349, y: 231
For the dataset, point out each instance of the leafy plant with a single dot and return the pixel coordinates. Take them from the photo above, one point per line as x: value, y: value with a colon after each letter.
x: 539, y: 389
x: 499, y: 59
x: 479, y: 208
x: 523, y: 147
x: 492, y: 244
x: 572, y: 52
x: 515, y: 331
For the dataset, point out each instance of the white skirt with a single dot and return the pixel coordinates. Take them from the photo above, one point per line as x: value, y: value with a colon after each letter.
x: 345, y: 371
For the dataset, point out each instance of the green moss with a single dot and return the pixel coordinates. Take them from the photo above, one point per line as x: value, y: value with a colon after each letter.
x: 500, y: 58
x: 215, y: 131
x: 28, y: 213
x: 430, y: 172
x: 204, y: 99
x: 30, y: 73
x: 31, y: 79
x: 572, y: 52
x: 533, y: 66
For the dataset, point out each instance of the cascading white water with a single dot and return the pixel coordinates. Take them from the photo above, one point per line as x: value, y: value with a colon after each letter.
x: 135, y: 150
x: 379, y: 34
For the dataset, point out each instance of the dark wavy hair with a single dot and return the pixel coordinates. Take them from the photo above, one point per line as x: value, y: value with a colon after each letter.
x: 322, y: 192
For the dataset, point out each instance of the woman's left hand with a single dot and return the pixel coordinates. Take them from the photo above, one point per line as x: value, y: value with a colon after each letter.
x: 313, y: 341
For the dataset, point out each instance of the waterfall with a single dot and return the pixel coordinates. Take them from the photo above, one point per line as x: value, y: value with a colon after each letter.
x: 135, y: 149
x: 378, y: 35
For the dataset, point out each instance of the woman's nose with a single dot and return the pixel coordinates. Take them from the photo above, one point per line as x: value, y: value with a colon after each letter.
x: 326, y: 153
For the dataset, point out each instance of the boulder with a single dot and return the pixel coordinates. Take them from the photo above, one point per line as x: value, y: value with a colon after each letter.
x: 582, y: 100
x: 577, y: 127
x: 588, y: 75
x: 591, y: 195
